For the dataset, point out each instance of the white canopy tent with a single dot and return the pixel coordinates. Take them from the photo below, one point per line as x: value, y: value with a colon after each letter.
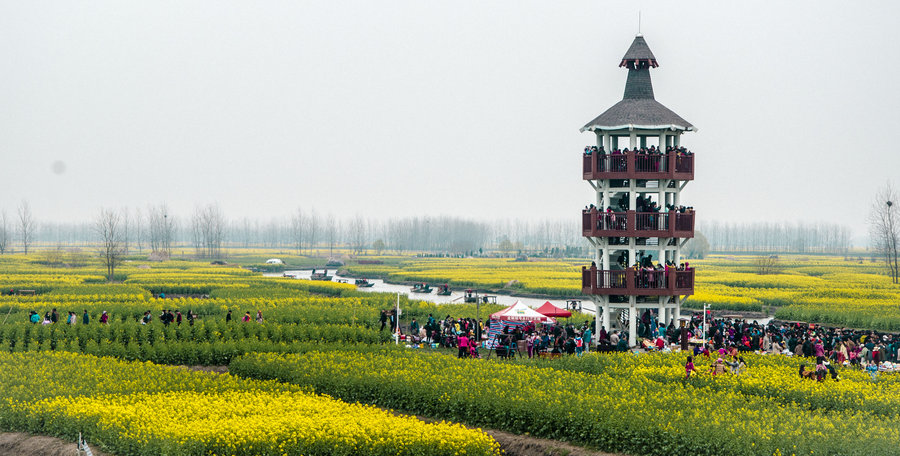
x: 521, y: 312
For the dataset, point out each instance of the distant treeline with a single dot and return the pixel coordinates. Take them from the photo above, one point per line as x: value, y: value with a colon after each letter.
x: 777, y: 237
x: 209, y: 230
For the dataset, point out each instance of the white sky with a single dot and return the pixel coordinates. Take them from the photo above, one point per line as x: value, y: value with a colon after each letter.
x: 459, y: 108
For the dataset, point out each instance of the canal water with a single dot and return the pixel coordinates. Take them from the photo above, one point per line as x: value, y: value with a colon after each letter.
x: 456, y: 296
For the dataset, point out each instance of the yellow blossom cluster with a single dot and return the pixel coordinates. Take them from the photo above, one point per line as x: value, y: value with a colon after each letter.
x: 618, y: 403
x: 134, y: 408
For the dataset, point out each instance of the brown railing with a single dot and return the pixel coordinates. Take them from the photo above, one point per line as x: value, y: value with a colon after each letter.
x: 637, y: 224
x: 632, y: 165
x: 637, y: 282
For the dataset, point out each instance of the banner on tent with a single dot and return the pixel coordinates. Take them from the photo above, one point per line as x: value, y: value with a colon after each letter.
x: 496, y: 329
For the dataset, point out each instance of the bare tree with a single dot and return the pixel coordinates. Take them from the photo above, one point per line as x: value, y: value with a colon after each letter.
x: 208, y: 229
x: 331, y: 230
x: 4, y: 233
x: 138, y: 229
x: 884, y: 229
x: 109, y: 229
x: 314, y: 228
x: 162, y: 229
x: 357, y: 234
x: 697, y: 247
x: 126, y: 229
x: 27, y: 225
x: 298, y: 229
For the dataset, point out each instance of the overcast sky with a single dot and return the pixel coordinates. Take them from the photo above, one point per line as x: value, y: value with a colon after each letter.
x: 465, y: 108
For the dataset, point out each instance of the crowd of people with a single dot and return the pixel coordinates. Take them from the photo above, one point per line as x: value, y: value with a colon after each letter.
x: 648, y: 159
x: 468, y: 335
x: 52, y: 317
x: 166, y: 317
x: 825, y: 347
x: 652, y: 150
x: 613, y: 217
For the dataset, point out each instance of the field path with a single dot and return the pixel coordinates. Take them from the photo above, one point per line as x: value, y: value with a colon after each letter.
x: 20, y: 443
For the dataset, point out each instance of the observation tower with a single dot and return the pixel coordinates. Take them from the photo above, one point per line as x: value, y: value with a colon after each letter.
x: 637, y: 224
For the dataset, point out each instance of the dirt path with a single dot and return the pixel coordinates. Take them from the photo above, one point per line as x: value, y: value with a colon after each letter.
x: 20, y: 443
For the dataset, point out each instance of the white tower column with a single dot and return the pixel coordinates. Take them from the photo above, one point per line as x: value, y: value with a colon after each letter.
x: 632, y: 321
x: 662, y: 310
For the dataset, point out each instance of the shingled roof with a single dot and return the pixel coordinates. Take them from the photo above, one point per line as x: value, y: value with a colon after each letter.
x: 639, y: 51
x: 638, y: 108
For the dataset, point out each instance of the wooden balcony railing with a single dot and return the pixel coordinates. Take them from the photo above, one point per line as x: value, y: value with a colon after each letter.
x: 638, y: 283
x: 670, y: 224
x: 632, y: 165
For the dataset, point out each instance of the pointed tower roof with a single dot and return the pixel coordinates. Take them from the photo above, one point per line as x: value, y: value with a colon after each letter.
x: 639, y: 51
x: 638, y: 108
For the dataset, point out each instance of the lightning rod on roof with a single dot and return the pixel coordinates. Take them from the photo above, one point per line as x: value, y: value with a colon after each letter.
x: 639, y: 23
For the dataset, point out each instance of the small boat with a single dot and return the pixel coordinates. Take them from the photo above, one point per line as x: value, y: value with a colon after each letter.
x: 420, y: 288
x: 320, y: 276
x: 364, y: 283
x: 443, y: 290
x: 292, y: 276
x: 473, y: 297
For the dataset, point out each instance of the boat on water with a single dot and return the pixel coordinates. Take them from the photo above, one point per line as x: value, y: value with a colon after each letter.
x: 473, y: 297
x: 364, y: 283
x: 420, y: 288
x: 443, y: 290
x: 320, y: 275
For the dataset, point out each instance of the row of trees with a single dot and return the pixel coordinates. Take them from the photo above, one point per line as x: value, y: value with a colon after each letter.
x: 777, y: 237
x: 156, y: 230
x: 209, y: 232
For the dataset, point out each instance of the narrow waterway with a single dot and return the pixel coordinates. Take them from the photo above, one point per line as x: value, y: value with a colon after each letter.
x: 456, y: 296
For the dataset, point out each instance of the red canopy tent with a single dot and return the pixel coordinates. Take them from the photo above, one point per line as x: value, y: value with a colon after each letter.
x: 550, y: 310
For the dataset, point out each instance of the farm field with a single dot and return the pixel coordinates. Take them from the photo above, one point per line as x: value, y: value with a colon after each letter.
x: 319, y: 351
x: 829, y: 290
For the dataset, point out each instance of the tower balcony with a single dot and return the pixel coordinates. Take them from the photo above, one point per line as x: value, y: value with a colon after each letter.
x: 629, y: 282
x: 672, y: 224
x: 631, y: 165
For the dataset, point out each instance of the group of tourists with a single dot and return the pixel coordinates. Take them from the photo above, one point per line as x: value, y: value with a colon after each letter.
x: 826, y: 347
x: 505, y: 338
x: 652, y: 150
x: 543, y: 339
x: 647, y: 159
x: 388, y: 316
x: 169, y: 316
x: 166, y: 317
x: 53, y: 317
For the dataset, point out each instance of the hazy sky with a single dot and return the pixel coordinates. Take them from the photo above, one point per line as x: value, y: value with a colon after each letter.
x: 422, y: 107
